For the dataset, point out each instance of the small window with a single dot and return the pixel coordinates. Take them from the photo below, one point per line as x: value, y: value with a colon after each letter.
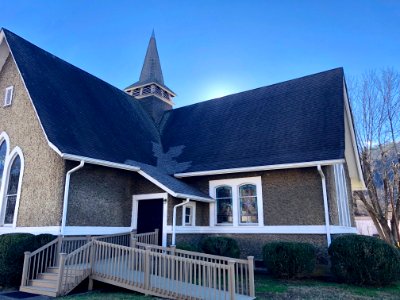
x: 188, y: 215
x: 8, y: 96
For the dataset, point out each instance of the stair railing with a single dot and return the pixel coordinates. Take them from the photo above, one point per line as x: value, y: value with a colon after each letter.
x: 74, y: 268
x: 150, y: 238
x: 48, y: 256
x: 38, y: 261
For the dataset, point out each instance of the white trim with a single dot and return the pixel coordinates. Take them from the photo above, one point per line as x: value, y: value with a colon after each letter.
x: 342, y: 197
x: 286, y: 229
x: 99, y: 162
x: 8, y: 100
x: 192, y: 207
x: 261, y: 168
x: 174, y: 219
x: 66, y: 195
x: 94, y: 230
x: 352, y: 134
x: 8, y: 163
x: 33, y: 230
x: 52, y: 146
x: 235, y: 184
x: 172, y: 193
x: 326, y: 207
x: 135, y: 205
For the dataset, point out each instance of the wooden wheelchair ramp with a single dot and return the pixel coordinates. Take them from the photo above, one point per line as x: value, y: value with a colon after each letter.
x: 145, y: 268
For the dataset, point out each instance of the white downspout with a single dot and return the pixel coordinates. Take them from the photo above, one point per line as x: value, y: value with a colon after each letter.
x: 174, y: 219
x: 66, y: 193
x: 326, y: 208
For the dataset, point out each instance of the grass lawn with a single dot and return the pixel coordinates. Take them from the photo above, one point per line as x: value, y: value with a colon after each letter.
x: 269, y: 288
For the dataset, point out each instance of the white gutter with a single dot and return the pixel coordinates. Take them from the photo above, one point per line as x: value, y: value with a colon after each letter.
x: 174, y: 220
x: 106, y: 163
x: 66, y: 193
x: 326, y: 208
x: 262, y: 168
x: 100, y: 162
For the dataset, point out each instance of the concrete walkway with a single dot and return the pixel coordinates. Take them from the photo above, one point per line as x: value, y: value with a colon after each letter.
x: 12, y: 295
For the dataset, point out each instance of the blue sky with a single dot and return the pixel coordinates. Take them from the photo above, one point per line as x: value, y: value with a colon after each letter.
x: 212, y: 48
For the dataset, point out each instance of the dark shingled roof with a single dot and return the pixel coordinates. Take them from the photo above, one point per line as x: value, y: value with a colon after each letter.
x: 295, y: 121
x: 300, y: 120
x: 85, y: 116
x: 81, y: 114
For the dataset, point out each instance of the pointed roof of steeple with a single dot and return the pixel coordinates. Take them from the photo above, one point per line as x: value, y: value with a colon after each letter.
x: 151, y: 70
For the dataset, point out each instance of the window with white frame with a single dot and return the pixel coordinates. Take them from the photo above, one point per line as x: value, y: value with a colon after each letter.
x: 8, y: 96
x: 223, y: 197
x: 237, y: 202
x: 3, y: 153
x: 189, y: 214
x: 342, y: 195
x: 12, y: 190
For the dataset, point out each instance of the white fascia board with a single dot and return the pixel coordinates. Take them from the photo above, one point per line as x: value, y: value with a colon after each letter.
x: 51, y: 145
x: 94, y: 230
x: 262, y: 168
x: 55, y: 230
x: 196, y: 198
x: 171, y: 192
x: 352, y: 133
x: 288, y: 229
x: 99, y: 162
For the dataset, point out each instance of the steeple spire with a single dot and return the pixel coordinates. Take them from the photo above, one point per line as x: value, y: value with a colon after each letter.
x: 151, y: 70
x: 153, y: 94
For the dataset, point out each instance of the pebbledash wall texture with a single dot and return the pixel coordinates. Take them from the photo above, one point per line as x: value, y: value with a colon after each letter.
x: 44, y: 170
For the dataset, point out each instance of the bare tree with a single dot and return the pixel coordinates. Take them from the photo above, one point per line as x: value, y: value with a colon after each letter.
x: 376, y: 106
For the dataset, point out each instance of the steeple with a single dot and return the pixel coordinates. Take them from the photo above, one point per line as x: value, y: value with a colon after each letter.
x: 151, y: 83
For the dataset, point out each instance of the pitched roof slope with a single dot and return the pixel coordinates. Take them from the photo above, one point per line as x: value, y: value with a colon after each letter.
x: 295, y: 121
x: 81, y: 114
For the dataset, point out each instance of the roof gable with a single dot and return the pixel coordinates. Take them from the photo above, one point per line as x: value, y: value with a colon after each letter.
x: 80, y: 113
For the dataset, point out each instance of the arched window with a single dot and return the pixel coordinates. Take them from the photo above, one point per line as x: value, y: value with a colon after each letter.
x: 224, y: 204
x: 3, y: 154
x: 248, y: 203
x: 12, y: 190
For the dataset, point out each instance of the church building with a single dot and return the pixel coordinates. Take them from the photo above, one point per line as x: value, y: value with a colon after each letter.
x: 79, y: 156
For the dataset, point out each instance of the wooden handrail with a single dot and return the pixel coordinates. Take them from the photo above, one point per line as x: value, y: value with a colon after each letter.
x: 56, y: 240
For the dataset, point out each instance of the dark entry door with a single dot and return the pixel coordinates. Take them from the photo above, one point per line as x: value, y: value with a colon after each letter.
x: 150, y: 217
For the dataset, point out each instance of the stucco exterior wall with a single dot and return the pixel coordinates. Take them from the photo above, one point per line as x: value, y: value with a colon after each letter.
x: 101, y: 196
x: 43, y: 178
x: 252, y: 244
x: 290, y: 197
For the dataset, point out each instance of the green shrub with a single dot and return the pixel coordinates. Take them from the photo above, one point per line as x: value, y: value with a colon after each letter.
x: 12, y: 248
x: 364, y: 260
x: 289, y: 259
x: 219, y: 245
x: 187, y: 247
x: 43, y: 239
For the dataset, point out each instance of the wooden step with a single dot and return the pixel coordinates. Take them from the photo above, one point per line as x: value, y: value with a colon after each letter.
x: 53, y: 270
x: 43, y: 283
x: 52, y: 292
x: 48, y: 276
